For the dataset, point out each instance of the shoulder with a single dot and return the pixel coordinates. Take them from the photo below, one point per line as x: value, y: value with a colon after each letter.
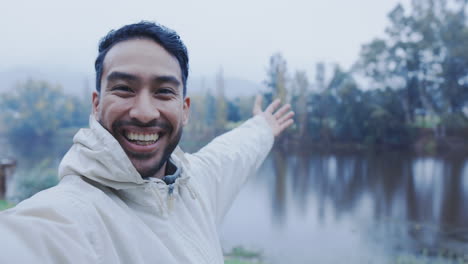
x: 72, y: 199
x: 64, y: 213
x: 69, y: 188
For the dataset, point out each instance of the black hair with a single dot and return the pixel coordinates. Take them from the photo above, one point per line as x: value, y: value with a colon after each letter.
x: 164, y: 36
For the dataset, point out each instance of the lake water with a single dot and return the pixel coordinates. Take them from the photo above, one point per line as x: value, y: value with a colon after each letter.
x: 354, y: 208
x: 385, y: 207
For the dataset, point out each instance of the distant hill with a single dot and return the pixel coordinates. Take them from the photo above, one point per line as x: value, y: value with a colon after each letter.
x: 82, y: 84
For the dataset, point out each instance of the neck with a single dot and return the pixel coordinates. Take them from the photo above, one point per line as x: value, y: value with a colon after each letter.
x: 161, y: 172
x: 168, y: 168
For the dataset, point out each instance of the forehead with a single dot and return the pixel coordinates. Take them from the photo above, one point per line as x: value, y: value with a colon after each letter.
x: 141, y: 57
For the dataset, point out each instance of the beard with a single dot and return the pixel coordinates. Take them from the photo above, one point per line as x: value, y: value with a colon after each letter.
x: 165, y: 156
x: 167, y: 151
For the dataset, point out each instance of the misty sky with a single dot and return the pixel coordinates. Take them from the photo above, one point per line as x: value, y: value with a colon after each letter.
x: 238, y: 35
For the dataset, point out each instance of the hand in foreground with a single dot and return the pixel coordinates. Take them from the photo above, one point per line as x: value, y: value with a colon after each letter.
x: 279, y: 119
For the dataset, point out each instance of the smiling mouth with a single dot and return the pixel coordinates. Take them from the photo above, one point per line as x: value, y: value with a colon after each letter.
x: 142, y: 139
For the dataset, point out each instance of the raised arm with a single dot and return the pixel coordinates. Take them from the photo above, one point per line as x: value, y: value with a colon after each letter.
x: 225, y: 164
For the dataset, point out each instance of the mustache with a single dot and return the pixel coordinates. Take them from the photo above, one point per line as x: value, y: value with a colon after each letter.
x: 135, y: 122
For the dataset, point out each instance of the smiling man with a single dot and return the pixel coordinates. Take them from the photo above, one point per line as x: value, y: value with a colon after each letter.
x: 127, y: 193
x: 142, y: 102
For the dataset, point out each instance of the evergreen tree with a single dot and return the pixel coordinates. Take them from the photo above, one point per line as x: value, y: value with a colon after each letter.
x: 221, y: 105
x: 276, y: 79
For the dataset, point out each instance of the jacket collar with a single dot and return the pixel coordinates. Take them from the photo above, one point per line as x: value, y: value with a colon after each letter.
x: 97, y: 155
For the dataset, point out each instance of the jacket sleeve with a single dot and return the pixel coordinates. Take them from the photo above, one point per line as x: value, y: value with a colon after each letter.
x: 225, y: 163
x: 36, y: 232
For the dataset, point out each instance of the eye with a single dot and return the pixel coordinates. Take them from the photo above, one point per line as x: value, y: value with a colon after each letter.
x: 165, y: 91
x: 122, y: 88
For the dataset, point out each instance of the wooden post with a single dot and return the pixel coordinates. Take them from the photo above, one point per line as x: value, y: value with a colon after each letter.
x: 7, y: 167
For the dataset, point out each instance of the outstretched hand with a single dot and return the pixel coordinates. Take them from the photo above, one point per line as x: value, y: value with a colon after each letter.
x: 279, y: 119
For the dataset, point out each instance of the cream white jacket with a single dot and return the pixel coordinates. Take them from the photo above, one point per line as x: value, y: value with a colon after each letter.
x: 102, y: 211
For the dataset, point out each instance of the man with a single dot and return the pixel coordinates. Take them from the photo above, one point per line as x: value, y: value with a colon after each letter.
x: 127, y: 193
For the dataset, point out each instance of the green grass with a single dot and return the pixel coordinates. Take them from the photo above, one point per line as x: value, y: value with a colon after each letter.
x: 5, y: 205
x: 240, y: 255
x: 236, y: 261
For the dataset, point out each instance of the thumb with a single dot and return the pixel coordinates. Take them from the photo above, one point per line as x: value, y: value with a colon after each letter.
x: 257, y: 108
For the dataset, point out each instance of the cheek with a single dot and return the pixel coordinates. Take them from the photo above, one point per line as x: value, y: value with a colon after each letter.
x: 172, y: 110
x: 111, y: 110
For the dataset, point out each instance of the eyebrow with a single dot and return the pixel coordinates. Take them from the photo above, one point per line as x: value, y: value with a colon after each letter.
x: 166, y: 79
x: 116, y: 75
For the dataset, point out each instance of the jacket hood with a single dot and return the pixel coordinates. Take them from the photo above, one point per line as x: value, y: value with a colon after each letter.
x: 98, y: 156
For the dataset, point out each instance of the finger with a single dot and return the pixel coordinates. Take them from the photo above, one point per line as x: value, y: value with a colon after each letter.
x: 273, y: 106
x: 283, y: 110
x: 285, y: 117
x: 257, y: 108
x: 285, y: 125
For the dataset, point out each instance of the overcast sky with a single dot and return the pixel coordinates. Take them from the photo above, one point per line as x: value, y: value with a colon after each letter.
x: 238, y: 35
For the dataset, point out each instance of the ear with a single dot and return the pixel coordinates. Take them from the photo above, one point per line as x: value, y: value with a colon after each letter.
x: 186, y: 109
x: 95, y: 104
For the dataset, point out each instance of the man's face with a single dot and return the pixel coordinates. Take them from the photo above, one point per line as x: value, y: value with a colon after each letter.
x: 142, y: 103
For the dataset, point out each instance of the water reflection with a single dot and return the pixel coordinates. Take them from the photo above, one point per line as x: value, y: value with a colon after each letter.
x: 279, y: 197
x: 392, y: 203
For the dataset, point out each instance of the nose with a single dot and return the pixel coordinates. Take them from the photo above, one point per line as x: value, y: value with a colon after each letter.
x: 144, y: 109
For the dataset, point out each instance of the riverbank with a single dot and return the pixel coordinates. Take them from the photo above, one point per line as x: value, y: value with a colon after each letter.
x: 424, y: 144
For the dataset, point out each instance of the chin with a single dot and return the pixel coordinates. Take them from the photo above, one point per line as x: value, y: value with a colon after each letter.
x: 148, y: 168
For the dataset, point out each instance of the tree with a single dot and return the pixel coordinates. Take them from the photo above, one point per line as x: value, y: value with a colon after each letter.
x: 233, y: 114
x: 276, y: 78
x: 323, y: 105
x: 386, y: 119
x: 36, y: 110
x: 425, y: 55
x: 352, y: 108
x: 33, y: 109
x: 300, y: 91
x: 221, y: 106
x: 210, y: 109
x: 320, y: 76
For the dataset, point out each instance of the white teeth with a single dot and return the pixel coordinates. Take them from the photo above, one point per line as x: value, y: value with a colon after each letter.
x: 142, y: 137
